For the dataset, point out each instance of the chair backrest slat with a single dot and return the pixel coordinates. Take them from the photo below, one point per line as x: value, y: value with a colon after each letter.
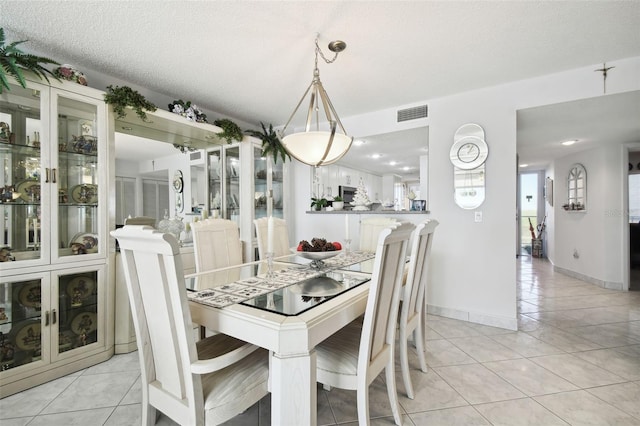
x: 216, y: 244
x: 415, y: 288
x: 155, y: 282
x: 370, y: 229
x: 281, y: 244
x: 381, y: 314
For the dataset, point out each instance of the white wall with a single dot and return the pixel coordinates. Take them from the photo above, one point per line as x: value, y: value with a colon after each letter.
x: 474, y: 264
x: 595, y: 234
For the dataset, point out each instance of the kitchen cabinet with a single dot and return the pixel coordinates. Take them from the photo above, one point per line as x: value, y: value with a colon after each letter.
x: 54, y: 223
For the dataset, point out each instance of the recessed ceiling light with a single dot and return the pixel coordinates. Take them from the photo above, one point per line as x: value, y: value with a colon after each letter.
x: 392, y: 163
x: 359, y: 142
x: 571, y: 142
x: 405, y: 168
x: 524, y: 165
x: 376, y: 155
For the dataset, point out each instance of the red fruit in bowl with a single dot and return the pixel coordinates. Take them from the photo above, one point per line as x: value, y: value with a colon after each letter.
x: 299, y: 247
x: 337, y: 245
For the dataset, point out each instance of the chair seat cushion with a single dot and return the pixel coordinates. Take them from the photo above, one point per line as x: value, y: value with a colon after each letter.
x: 338, y: 354
x: 241, y: 384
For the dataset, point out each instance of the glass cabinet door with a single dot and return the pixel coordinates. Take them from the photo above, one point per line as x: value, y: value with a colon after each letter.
x: 215, y: 182
x: 232, y: 183
x: 21, y: 138
x: 76, y: 177
x: 21, y: 332
x: 260, y: 168
x: 77, y: 311
x: 277, y: 186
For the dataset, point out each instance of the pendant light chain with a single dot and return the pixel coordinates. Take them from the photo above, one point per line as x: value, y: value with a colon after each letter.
x: 328, y: 61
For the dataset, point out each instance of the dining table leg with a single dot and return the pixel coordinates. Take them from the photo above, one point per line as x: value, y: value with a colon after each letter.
x: 293, y: 389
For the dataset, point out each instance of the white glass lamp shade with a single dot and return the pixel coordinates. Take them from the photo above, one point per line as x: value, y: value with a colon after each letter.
x: 311, y: 147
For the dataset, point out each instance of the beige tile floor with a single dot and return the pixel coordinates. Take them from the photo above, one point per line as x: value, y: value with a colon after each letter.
x: 575, y: 360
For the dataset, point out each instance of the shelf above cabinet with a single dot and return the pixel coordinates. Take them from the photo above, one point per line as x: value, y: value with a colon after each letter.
x: 168, y: 127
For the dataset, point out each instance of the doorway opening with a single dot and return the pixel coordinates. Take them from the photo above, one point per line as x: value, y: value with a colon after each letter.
x: 634, y: 231
x: 530, y: 206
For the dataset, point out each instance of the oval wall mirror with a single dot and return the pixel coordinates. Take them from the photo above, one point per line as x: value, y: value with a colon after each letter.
x: 468, y: 155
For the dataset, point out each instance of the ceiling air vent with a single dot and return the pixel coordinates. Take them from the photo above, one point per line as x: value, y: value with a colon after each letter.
x: 195, y: 156
x: 412, y: 113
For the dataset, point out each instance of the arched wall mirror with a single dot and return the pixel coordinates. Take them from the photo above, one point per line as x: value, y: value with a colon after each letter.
x: 577, y: 188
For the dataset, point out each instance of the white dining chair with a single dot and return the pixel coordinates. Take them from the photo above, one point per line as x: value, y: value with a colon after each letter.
x: 208, y: 382
x: 140, y: 220
x: 280, y: 237
x: 370, y: 229
x: 216, y: 244
x: 413, y: 306
x: 353, y: 357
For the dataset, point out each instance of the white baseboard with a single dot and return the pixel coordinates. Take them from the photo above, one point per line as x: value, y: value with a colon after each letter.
x: 484, y: 319
x: 600, y: 283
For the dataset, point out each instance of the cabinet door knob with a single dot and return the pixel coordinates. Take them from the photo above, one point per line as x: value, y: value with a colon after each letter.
x: 54, y: 175
x: 55, y: 316
x: 46, y: 318
x: 46, y: 180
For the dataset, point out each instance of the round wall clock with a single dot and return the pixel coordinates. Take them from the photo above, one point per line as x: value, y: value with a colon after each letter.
x: 469, y: 152
x: 468, y: 155
x: 178, y: 183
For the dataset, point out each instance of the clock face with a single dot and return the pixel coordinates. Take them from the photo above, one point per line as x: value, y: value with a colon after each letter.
x: 177, y: 184
x: 469, y: 152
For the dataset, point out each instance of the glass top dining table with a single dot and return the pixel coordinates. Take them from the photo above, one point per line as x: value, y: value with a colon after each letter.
x: 287, y: 311
x: 294, y: 285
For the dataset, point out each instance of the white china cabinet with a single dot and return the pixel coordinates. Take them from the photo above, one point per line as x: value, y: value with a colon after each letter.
x: 55, y: 300
x: 244, y: 185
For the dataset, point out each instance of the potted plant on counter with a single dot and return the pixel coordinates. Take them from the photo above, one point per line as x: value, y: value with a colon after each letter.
x: 318, y: 203
x: 338, y: 203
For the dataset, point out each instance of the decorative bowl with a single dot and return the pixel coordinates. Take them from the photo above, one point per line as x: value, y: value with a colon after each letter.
x: 317, y: 287
x: 315, y: 255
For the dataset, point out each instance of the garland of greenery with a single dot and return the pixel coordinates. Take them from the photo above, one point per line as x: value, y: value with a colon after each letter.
x: 122, y: 97
x: 13, y: 61
x: 231, y: 132
x: 271, y: 144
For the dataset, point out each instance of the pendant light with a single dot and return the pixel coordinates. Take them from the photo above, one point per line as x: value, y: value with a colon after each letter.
x: 324, y: 140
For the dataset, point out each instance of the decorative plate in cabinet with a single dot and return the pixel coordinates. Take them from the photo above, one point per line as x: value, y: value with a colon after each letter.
x: 85, y: 193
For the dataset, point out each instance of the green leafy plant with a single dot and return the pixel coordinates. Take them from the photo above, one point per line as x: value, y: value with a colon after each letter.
x: 122, y: 97
x: 271, y: 144
x: 230, y: 130
x: 337, y: 198
x: 13, y: 61
x: 319, y: 203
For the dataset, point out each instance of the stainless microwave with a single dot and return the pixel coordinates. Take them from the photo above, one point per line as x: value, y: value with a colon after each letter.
x: 347, y: 193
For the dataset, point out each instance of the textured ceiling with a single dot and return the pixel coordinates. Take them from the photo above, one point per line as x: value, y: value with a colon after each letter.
x: 252, y: 60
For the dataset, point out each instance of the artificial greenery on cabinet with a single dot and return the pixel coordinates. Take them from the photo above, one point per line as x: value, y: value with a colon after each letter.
x: 271, y: 144
x: 13, y: 61
x: 121, y: 97
x: 230, y: 130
